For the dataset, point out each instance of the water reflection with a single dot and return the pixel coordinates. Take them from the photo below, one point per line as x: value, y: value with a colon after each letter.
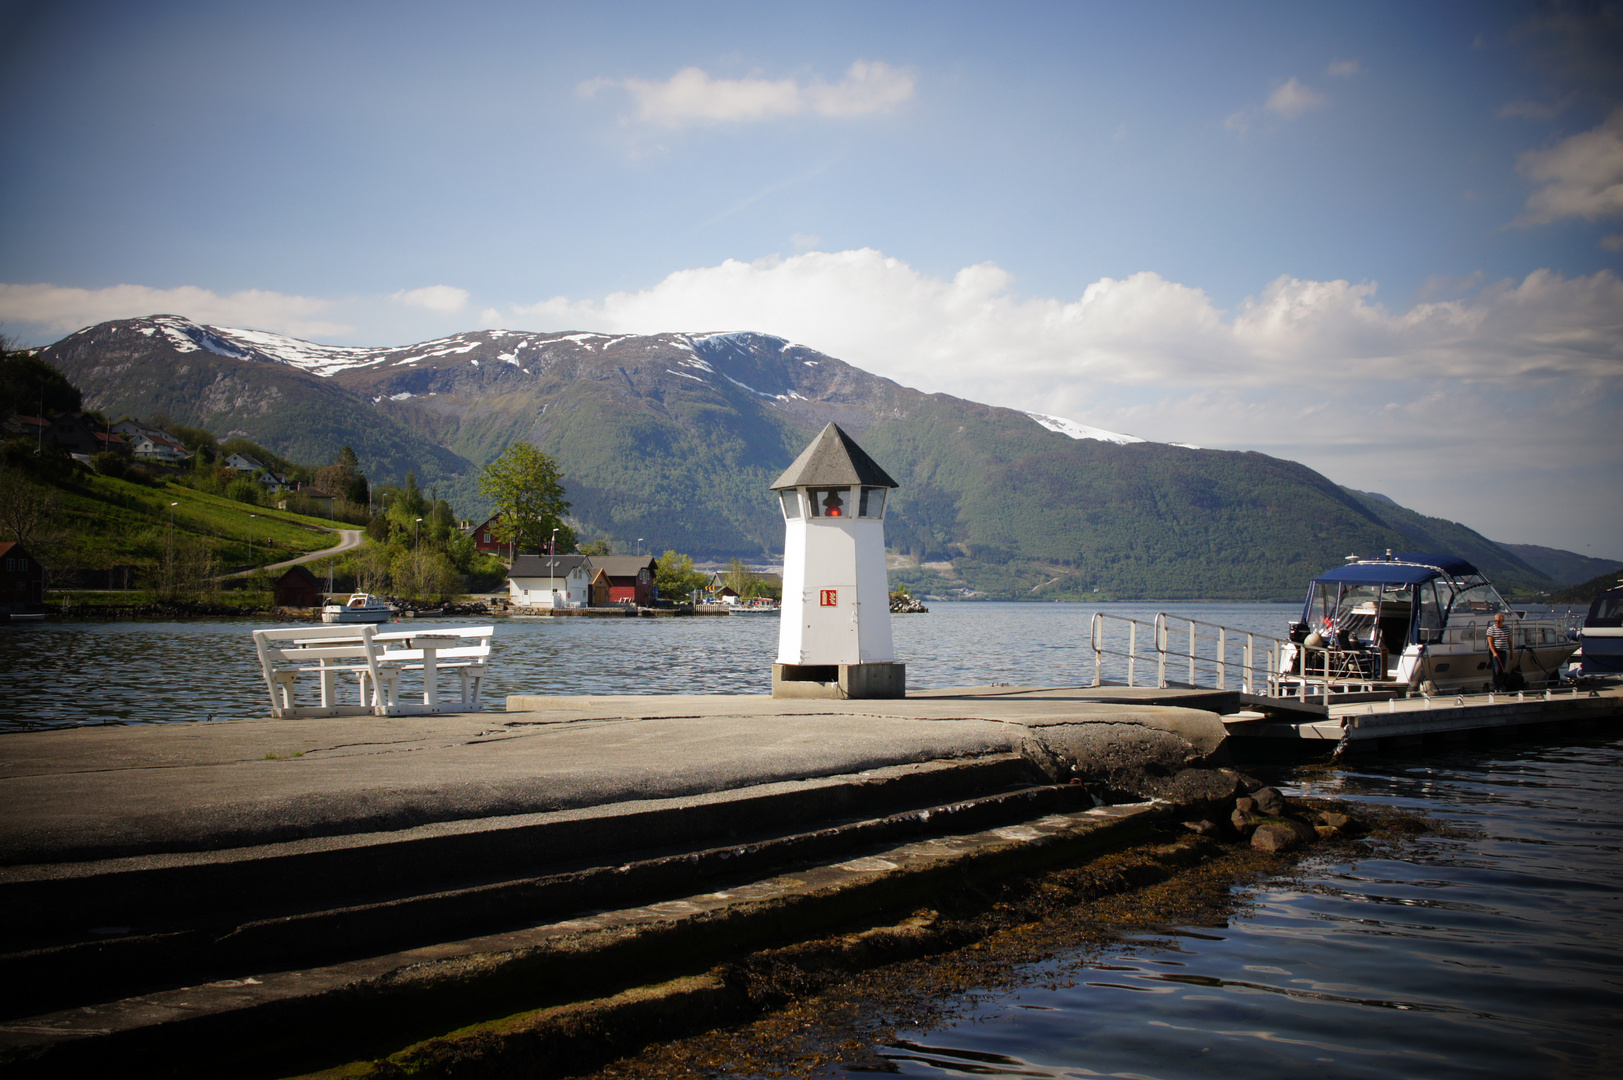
x: 1478, y: 954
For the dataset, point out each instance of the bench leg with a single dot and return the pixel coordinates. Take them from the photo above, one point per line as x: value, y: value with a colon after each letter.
x: 282, y: 694
x: 329, y: 687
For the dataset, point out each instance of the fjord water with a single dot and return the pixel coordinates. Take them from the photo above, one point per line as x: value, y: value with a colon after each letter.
x: 1493, y: 948
x: 86, y: 671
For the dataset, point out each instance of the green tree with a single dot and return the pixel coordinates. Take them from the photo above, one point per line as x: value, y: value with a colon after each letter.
x: 596, y: 547
x: 27, y: 509
x: 738, y: 578
x: 676, y: 577
x: 528, y: 491
x: 29, y: 385
x: 344, y: 478
x: 424, y: 574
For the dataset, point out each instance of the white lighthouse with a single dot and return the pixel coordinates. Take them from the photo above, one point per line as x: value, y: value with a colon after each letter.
x: 834, y: 639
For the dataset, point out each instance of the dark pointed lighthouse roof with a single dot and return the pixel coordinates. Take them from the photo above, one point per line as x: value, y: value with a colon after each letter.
x: 833, y: 460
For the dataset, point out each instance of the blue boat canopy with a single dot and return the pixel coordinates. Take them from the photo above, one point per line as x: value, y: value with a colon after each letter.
x: 1454, y: 567
x: 1374, y: 573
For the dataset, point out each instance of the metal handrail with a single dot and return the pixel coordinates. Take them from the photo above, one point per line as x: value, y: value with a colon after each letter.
x: 1258, y: 669
x: 1195, y: 633
x: 1220, y: 660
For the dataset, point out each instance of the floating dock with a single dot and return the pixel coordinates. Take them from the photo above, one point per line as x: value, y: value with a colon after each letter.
x: 1365, y: 721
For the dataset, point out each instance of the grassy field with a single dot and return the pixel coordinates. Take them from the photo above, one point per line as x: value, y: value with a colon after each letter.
x: 112, y: 527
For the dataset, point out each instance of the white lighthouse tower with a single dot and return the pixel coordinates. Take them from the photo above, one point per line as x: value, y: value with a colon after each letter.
x: 834, y: 639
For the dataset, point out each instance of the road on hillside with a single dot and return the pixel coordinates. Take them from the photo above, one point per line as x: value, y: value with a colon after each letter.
x: 348, y: 540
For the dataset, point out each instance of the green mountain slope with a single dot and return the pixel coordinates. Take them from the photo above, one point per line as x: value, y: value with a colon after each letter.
x: 673, y: 438
x: 1562, y: 567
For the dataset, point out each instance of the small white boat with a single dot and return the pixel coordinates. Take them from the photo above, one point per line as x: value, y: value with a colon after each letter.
x: 361, y: 608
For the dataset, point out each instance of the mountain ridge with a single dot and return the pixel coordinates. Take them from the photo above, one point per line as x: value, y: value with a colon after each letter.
x: 675, y: 437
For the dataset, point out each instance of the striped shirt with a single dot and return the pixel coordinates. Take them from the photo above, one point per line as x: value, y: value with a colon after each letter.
x: 1499, y: 639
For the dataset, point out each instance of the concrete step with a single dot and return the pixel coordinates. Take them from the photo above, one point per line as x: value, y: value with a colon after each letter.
x: 124, y: 929
x: 270, y: 1020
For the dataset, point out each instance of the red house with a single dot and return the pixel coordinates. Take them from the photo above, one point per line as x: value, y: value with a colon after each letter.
x: 22, y: 579
x: 484, y: 536
x: 631, y: 577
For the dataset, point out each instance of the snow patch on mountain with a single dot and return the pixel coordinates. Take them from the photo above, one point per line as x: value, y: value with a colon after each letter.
x: 1082, y: 431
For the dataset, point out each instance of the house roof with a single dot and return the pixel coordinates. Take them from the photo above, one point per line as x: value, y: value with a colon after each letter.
x: 833, y: 460
x: 625, y: 565
x: 535, y: 566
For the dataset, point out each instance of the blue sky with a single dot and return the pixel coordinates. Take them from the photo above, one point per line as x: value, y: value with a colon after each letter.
x: 1381, y: 239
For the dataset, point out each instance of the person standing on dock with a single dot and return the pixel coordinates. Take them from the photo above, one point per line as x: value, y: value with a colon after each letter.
x: 1499, y: 649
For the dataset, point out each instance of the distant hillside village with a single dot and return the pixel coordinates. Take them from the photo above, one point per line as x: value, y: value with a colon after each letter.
x: 62, y: 471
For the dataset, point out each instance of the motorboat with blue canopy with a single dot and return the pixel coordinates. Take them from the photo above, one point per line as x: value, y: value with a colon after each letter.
x: 1412, y: 619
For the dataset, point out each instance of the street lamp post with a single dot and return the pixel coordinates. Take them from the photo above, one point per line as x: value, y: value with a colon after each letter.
x: 552, y: 567
x: 416, y: 534
x: 170, y: 574
x: 251, y: 538
x: 639, y: 546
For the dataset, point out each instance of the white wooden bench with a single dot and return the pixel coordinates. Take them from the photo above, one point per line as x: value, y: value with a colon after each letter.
x: 464, y: 650
x: 378, y: 661
x: 327, y: 651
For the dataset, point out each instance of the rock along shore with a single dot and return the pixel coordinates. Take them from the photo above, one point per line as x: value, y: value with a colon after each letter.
x: 311, y: 891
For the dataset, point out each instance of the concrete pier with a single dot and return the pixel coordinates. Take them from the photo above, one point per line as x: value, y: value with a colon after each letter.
x: 171, y: 888
x: 185, y: 894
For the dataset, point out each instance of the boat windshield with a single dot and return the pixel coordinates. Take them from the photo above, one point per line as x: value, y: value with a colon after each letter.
x: 1478, y: 601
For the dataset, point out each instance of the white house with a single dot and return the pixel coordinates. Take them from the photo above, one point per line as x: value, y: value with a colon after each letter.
x: 151, y: 444
x: 244, y: 463
x: 157, y: 448
x: 550, y: 581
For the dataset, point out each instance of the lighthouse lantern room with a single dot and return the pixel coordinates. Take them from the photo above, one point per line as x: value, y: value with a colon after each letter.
x: 834, y: 638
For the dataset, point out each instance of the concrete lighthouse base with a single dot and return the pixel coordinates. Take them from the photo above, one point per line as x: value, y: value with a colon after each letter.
x: 841, y: 681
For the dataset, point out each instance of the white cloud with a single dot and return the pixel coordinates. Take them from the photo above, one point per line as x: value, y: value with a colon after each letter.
x: 1344, y: 68
x: 693, y: 96
x: 1291, y: 99
x: 1581, y: 176
x: 440, y: 299
x: 805, y: 241
x: 60, y: 309
x: 971, y: 331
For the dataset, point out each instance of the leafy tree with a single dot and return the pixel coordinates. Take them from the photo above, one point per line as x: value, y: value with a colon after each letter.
x: 244, y: 490
x: 29, y: 385
x: 527, y: 488
x: 26, y: 508
x: 597, y: 547
x: 737, y: 576
x: 372, y: 568
x: 424, y: 573
x: 344, y: 478
x: 110, y: 463
x: 194, y: 438
x: 676, y: 577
